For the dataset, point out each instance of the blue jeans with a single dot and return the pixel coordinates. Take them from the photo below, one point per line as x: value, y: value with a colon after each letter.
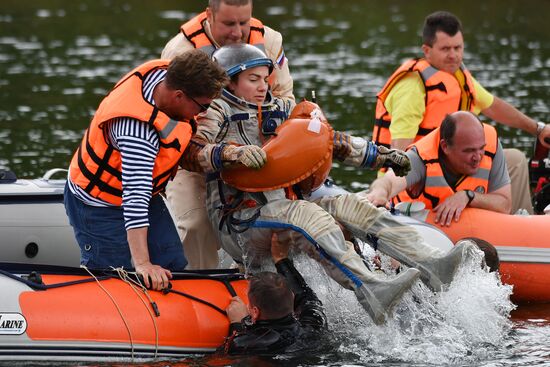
x: 103, y: 241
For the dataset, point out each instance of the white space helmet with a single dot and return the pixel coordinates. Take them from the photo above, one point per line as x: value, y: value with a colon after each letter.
x: 236, y: 58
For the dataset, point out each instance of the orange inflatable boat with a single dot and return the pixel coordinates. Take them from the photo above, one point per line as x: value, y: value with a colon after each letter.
x: 523, y: 245
x: 67, y: 314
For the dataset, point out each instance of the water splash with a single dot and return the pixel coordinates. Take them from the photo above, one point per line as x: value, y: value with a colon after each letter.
x: 467, y: 322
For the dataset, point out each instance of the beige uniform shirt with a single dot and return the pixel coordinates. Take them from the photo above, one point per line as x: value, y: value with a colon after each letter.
x: 282, y: 85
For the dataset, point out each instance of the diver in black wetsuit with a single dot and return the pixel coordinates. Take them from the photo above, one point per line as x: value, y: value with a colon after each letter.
x: 284, y: 314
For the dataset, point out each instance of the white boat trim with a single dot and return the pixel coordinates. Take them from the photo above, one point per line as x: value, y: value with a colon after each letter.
x: 518, y: 254
x: 92, y: 351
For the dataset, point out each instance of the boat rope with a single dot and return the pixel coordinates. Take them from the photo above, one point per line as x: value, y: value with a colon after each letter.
x: 42, y: 287
x: 229, y: 287
x: 117, y: 307
x: 224, y: 281
x: 196, y: 299
x: 123, y: 275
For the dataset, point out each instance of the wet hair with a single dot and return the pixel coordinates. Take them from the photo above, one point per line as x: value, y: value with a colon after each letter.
x: 214, y: 5
x: 440, y: 21
x: 196, y: 74
x: 491, y: 255
x: 271, y: 294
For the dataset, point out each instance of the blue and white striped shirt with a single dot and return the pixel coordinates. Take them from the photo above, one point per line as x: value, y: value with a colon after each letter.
x: 138, y: 144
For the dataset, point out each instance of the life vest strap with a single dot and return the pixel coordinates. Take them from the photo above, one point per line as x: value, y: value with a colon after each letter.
x: 423, y: 131
x: 382, y: 123
x: 433, y: 199
x: 439, y: 86
x: 94, y: 179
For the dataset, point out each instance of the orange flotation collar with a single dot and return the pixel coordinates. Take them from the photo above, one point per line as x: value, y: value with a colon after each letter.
x: 301, y: 150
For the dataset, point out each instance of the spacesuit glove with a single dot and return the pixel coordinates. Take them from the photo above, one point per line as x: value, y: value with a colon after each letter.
x: 393, y: 158
x: 251, y: 156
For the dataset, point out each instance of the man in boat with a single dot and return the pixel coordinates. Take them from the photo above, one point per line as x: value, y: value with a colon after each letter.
x: 248, y: 114
x: 223, y: 22
x: 460, y: 164
x: 128, y: 154
x: 422, y: 91
x: 284, y: 314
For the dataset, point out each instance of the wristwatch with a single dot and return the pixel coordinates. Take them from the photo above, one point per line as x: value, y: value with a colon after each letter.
x: 540, y: 127
x: 471, y: 195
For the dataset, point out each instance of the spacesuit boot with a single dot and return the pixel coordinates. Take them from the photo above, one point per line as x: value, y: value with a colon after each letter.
x: 379, y: 296
x: 437, y: 270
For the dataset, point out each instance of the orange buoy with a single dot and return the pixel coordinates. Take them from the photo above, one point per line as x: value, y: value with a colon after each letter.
x: 301, y: 148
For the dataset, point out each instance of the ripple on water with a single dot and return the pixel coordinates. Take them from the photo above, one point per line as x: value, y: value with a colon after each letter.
x: 174, y: 14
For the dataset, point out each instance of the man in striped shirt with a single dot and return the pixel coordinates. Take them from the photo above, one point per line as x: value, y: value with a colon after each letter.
x: 127, y: 156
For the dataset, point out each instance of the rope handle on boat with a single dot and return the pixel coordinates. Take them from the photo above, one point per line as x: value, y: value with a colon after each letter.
x: 42, y: 287
x: 123, y: 275
x: 37, y: 284
x: 168, y: 289
x: 229, y: 287
x: 196, y: 299
x: 225, y: 282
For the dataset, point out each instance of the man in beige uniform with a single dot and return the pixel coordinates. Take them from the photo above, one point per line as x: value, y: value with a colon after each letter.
x: 224, y: 22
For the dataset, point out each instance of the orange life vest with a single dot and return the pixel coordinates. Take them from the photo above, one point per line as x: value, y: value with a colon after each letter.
x: 436, y: 188
x: 444, y: 95
x: 195, y: 32
x: 96, y: 165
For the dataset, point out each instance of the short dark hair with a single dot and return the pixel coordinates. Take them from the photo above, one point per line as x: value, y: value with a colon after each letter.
x: 491, y: 255
x: 271, y: 294
x: 447, y: 129
x: 440, y: 21
x: 214, y: 5
x: 196, y: 74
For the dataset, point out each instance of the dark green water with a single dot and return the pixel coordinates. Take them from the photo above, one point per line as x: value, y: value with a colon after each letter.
x: 58, y: 59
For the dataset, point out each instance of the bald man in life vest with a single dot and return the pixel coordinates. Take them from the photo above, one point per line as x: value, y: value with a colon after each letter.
x: 421, y: 92
x: 457, y: 165
x: 223, y: 22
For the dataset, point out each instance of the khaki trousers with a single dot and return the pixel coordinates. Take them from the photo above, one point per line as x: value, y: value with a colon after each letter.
x: 518, y: 169
x: 186, y: 196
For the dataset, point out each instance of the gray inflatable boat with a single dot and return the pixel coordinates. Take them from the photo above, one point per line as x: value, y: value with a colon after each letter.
x: 34, y: 228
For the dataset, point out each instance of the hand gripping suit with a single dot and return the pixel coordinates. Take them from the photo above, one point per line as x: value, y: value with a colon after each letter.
x: 246, y: 220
